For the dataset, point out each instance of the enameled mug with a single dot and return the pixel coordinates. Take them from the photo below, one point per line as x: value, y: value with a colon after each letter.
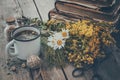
x: 24, y: 48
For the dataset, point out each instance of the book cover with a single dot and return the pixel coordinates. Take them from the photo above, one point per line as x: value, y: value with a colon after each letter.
x: 70, y: 8
x: 94, y: 3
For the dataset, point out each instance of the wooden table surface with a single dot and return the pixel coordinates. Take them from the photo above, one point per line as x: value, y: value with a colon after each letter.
x: 14, y: 8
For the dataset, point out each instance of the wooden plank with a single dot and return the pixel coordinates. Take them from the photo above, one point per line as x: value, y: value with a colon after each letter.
x: 45, y: 74
x: 28, y: 8
x: 7, y: 8
x: 12, y: 8
x: 53, y: 74
x: 23, y: 74
x: 37, y: 75
x: 68, y: 70
x: 3, y: 68
x: 44, y: 7
x: 5, y: 11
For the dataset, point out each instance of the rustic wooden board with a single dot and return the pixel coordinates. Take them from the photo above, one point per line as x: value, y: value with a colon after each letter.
x: 53, y: 74
x: 44, y: 7
x: 3, y: 68
x: 7, y: 8
x: 29, y: 9
x: 22, y: 74
x: 37, y: 75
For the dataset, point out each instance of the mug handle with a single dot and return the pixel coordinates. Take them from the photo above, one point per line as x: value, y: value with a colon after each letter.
x: 8, y: 46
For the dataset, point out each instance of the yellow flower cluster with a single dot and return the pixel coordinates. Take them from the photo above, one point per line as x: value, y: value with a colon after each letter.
x: 53, y: 21
x: 94, y: 37
x: 81, y: 28
x: 77, y: 59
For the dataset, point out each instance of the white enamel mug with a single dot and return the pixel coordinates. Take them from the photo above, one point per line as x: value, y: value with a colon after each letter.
x: 24, y: 48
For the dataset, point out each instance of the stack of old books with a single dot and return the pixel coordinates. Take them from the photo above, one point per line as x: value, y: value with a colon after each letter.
x: 98, y: 10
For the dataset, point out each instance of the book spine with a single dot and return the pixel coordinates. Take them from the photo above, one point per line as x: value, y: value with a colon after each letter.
x: 53, y: 14
x: 80, y: 11
x: 86, y: 4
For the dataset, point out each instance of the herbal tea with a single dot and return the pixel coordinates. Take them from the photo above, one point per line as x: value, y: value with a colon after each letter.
x: 26, y: 35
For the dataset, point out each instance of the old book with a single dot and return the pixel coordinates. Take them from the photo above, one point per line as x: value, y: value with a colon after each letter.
x: 109, y: 10
x: 78, y: 10
x: 93, y: 3
x: 53, y: 14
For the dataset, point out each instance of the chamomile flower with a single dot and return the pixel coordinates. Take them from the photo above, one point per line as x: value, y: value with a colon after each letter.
x: 59, y: 43
x: 57, y: 35
x: 56, y: 41
x: 65, y: 33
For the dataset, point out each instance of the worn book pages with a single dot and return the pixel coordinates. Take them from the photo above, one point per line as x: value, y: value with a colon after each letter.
x: 78, y: 10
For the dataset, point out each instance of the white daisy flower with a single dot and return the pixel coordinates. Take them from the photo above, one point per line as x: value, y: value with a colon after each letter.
x: 57, y: 40
x: 59, y: 43
x: 51, y: 41
x: 65, y: 33
x: 58, y: 35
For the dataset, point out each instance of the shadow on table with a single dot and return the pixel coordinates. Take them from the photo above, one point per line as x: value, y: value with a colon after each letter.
x: 109, y: 69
